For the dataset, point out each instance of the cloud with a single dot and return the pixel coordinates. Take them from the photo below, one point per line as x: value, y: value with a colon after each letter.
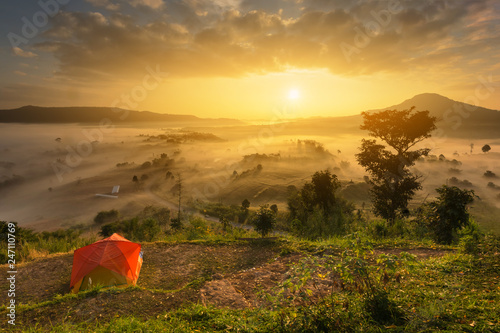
x: 20, y: 73
x: 21, y: 53
x: 230, y: 38
x: 154, y: 4
x: 107, y: 4
x: 118, y: 4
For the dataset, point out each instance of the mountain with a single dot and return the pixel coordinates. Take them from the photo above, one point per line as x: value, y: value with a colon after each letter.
x: 37, y: 114
x: 434, y: 103
x: 456, y: 119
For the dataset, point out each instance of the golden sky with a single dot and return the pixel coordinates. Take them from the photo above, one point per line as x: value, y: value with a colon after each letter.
x: 245, y: 58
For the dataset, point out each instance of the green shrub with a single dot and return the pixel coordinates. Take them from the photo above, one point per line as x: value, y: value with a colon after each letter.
x: 264, y: 220
x: 316, y: 212
x: 378, y: 229
x: 107, y: 216
x: 147, y: 230
x: 31, y: 244
x: 449, y: 212
x: 470, y: 238
x: 196, y: 229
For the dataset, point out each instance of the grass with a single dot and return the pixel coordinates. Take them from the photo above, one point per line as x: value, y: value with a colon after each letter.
x: 32, y: 245
x: 486, y: 215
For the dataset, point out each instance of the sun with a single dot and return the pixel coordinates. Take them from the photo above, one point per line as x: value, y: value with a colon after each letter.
x: 293, y: 94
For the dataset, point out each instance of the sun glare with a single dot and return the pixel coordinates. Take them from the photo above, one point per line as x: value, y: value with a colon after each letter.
x: 293, y: 94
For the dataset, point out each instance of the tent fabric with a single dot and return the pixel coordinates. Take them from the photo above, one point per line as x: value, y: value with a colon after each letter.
x: 115, y: 254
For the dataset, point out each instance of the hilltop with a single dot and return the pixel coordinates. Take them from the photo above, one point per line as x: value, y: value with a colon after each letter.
x: 235, y: 286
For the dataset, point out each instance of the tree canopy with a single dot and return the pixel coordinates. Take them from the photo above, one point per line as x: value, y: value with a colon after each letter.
x: 315, y: 210
x: 393, y: 184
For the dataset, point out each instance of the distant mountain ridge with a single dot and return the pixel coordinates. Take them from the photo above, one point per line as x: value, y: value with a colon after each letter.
x: 79, y: 114
x: 443, y: 107
x: 456, y: 119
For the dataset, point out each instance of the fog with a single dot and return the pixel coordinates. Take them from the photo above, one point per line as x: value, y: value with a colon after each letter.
x: 49, y: 174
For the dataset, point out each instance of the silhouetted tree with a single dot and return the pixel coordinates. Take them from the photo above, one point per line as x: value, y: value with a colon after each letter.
x: 264, y: 220
x: 486, y: 148
x: 135, y: 179
x: 324, y: 185
x: 315, y: 210
x: 319, y: 192
x: 274, y: 208
x: 393, y: 185
x: 245, y: 204
x: 449, y: 212
x: 489, y: 174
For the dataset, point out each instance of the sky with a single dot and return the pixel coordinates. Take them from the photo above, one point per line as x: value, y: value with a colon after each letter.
x: 245, y: 59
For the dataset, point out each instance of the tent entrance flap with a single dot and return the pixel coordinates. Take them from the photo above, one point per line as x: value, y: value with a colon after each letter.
x: 103, y: 277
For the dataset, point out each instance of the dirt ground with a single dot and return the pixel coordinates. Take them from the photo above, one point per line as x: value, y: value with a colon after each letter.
x: 232, y: 276
x: 244, y: 289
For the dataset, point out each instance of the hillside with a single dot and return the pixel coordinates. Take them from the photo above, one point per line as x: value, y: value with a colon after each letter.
x: 60, y: 115
x: 234, y: 286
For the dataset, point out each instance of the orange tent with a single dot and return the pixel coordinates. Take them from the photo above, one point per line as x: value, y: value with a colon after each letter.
x: 113, y: 261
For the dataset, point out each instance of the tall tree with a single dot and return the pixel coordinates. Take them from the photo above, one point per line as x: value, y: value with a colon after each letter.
x: 315, y: 210
x: 393, y: 184
x: 324, y: 185
x: 319, y: 192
